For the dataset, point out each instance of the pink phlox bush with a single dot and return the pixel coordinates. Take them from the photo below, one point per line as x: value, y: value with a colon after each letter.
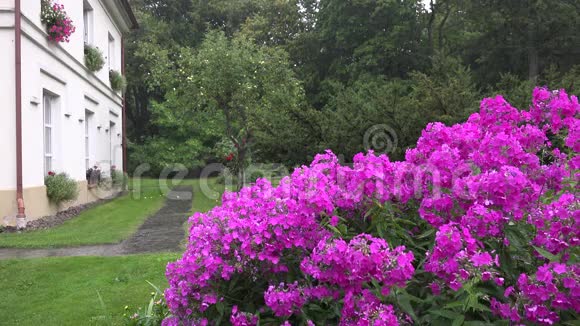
x: 472, y: 186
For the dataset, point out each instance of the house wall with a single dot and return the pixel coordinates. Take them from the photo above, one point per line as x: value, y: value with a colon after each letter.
x: 103, y: 24
x: 7, y: 100
x: 57, y: 69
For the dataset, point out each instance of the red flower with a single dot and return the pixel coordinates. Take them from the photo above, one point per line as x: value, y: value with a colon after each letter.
x: 50, y: 173
x: 230, y: 157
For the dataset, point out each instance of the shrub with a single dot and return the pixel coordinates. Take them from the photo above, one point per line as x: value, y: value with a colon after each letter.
x: 118, y: 81
x: 119, y: 179
x: 58, y: 25
x: 162, y: 154
x: 94, y: 58
x: 60, y: 188
x: 478, y: 224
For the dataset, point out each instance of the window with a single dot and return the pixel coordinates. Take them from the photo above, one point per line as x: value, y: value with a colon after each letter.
x: 88, y: 22
x: 88, y: 124
x: 111, y: 53
x: 48, y: 112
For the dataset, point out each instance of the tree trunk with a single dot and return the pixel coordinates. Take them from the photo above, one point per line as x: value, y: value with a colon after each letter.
x: 430, y: 27
x: 533, y: 59
x: 442, y: 25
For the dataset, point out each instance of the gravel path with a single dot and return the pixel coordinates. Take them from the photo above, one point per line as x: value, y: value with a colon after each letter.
x: 162, y: 232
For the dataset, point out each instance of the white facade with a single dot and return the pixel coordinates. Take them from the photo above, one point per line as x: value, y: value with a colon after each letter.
x: 58, y: 95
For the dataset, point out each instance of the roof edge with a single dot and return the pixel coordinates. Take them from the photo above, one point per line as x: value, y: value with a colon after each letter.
x: 130, y: 13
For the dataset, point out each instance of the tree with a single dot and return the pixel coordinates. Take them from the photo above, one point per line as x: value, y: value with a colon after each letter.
x: 251, y: 89
x: 387, y: 115
x: 522, y: 37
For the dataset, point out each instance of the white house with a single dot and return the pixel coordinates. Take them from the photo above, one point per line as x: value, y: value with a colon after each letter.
x: 55, y: 114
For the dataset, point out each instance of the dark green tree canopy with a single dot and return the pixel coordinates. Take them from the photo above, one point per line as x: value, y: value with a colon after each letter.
x: 332, y: 70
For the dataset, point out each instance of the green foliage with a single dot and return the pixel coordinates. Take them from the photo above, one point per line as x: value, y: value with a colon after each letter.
x: 158, y: 154
x: 119, y: 179
x: 60, y: 188
x: 249, y: 89
x: 367, y: 36
x: 445, y: 93
x: 118, y: 81
x: 570, y: 80
x: 94, y: 58
x: 517, y: 91
x: 153, y: 315
x: 518, y: 37
x: 358, y: 64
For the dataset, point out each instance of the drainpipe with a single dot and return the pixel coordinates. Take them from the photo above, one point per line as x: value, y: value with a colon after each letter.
x: 21, y: 216
x: 124, y: 117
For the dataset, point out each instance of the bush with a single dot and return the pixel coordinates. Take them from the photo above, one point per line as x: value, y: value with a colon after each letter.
x: 118, y: 81
x: 252, y: 173
x: 60, y: 188
x: 479, y: 225
x: 119, y: 179
x: 94, y: 58
x: 160, y: 155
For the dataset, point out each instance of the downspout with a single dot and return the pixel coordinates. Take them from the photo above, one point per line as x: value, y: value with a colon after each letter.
x: 124, y: 117
x: 21, y: 216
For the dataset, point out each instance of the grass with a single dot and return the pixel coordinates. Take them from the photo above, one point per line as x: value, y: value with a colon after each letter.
x: 65, y: 291
x: 116, y: 220
x: 69, y: 290
x: 108, y: 223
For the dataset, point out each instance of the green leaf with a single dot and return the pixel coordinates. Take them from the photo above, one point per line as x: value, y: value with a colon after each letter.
x: 220, y: 308
x: 458, y: 321
x: 405, y: 304
x: 454, y: 304
x: 445, y: 313
x: 546, y: 254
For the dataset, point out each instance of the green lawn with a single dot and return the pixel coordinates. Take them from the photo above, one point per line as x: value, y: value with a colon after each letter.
x: 107, y: 223
x: 66, y: 290
x: 63, y: 291
x: 116, y: 220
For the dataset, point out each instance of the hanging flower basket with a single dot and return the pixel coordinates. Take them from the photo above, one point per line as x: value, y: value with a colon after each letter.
x: 93, y: 58
x: 58, y: 25
x: 118, y: 81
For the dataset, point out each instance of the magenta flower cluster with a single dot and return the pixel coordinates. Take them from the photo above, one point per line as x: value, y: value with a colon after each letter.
x: 58, y: 25
x: 502, y: 168
x: 349, y: 266
x: 554, y: 288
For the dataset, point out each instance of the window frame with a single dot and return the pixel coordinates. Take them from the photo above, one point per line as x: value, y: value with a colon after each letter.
x: 48, y: 129
x: 88, y: 116
x: 87, y: 22
x: 111, y: 52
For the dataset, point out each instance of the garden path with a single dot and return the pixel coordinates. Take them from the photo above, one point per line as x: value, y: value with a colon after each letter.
x: 162, y: 232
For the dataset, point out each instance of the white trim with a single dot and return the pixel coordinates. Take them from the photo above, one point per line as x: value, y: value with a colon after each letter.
x: 91, y: 99
x: 52, y: 76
